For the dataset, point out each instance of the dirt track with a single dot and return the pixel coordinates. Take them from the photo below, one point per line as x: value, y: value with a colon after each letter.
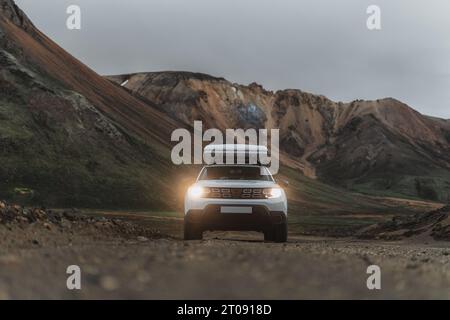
x: 33, y: 262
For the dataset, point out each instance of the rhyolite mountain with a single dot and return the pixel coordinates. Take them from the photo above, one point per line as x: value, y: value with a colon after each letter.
x: 378, y: 147
x: 69, y: 137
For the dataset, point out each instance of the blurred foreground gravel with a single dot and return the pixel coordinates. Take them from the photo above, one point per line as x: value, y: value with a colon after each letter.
x: 34, y: 258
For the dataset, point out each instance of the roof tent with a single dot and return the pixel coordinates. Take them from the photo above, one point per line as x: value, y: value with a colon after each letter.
x: 234, y: 154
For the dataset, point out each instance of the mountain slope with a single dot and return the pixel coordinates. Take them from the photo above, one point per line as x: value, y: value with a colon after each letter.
x: 378, y: 147
x: 70, y: 137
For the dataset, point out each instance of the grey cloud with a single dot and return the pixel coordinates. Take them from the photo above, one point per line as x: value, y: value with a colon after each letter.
x: 314, y: 45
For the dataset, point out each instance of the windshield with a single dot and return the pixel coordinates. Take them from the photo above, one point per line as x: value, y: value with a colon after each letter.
x: 235, y: 173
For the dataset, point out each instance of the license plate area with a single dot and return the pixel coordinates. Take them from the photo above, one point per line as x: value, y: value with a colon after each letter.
x: 228, y: 209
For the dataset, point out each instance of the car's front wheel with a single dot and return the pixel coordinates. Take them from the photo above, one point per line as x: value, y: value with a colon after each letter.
x: 192, y: 231
x: 277, y: 233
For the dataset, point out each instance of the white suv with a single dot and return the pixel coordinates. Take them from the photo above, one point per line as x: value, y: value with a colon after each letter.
x: 236, y: 197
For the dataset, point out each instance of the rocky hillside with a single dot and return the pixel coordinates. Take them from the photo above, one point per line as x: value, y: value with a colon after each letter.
x: 380, y: 147
x: 434, y: 224
x: 68, y: 137
x: 69, y: 221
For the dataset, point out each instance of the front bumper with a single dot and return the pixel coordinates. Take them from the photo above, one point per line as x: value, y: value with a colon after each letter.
x: 276, y: 204
x: 211, y: 218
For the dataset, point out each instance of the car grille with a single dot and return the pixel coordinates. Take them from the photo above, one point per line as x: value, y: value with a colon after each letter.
x: 236, y: 193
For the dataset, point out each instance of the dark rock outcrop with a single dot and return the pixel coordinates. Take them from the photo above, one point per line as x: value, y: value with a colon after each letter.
x: 435, y: 224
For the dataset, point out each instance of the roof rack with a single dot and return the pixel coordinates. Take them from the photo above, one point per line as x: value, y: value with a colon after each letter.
x: 238, y: 153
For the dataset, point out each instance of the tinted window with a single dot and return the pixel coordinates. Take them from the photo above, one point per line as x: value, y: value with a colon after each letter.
x: 235, y: 173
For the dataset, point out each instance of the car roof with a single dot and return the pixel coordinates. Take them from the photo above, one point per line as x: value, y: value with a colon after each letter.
x: 234, y: 165
x: 232, y: 148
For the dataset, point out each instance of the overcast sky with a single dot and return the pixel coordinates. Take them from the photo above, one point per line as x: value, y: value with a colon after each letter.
x: 319, y: 46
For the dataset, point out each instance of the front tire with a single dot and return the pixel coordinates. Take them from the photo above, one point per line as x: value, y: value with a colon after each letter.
x: 192, y: 231
x: 277, y: 233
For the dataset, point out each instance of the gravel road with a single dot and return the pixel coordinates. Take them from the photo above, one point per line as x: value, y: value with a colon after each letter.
x: 33, y: 262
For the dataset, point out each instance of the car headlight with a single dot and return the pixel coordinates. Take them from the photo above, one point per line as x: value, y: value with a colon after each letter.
x: 197, y: 192
x: 273, y: 193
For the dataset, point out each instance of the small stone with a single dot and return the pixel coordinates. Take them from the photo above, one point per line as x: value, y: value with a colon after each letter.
x: 109, y: 283
x: 143, y: 277
x: 91, y: 270
x: 4, y: 295
x: 142, y: 239
x: 22, y: 219
x: 9, y: 259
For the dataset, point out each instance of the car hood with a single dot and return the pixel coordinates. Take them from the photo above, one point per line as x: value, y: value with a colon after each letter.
x: 236, y: 184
